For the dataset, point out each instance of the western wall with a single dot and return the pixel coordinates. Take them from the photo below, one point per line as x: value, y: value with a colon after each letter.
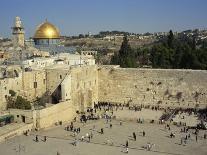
x: 164, y: 87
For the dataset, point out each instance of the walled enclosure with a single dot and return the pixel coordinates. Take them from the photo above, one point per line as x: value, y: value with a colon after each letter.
x: 164, y: 87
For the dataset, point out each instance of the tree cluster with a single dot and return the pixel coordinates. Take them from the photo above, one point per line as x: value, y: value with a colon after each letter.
x: 126, y: 55
x: 171, y: 52
x: 18, y: 103
x: 178, y: 54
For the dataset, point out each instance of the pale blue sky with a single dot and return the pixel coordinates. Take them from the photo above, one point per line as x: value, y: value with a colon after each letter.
x: 81, y: 16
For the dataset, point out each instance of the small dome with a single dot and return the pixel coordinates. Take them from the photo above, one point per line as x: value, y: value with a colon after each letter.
x: 47, y: 30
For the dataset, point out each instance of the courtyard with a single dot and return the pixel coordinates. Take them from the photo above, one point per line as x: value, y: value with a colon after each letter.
x: 111, y: 142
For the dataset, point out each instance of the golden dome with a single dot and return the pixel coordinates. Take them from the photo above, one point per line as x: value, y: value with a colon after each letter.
x: 47, y: 30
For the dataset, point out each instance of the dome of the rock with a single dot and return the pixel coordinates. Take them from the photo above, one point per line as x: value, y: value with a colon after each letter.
x: 46, y: 34
x: 47, y: 30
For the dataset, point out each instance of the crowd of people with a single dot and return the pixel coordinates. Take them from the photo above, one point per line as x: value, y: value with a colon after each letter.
x: 107, y: 114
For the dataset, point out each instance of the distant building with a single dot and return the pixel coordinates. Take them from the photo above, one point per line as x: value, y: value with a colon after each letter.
x: 89, y: 53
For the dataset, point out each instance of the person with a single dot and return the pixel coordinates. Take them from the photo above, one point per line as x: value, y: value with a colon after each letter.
x: 120, y: 123
x: 71, y: 127
x: 143, y: 133
x: 134, y: 136
x: 37, y: 138
x: 79, y: 130
x: 148, y: 146
x: 127, y: 144
x: 127, y: 150
x: 188, y: 135
x: 89, y: 138
x: 87, y: 135
x: 75, y: 133
x: 75, y: 142
x: 139, y: 120
x: 102, y: 131
x: 185, y: 141
x: 45, y: 138
x: 25, y: 133
x: 171, y: 135
x: 110, y: 125
x: 204, y: 136
x: 67, y: 128
x: 196, y: 138
x: 82, y: 138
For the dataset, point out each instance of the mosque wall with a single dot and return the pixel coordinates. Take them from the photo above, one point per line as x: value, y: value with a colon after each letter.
x: 164, y: 87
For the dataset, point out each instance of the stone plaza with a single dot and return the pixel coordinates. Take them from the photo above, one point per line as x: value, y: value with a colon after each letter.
x: 111, y: 142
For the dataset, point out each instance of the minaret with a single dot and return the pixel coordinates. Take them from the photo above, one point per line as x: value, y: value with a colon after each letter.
x: 18, y: 33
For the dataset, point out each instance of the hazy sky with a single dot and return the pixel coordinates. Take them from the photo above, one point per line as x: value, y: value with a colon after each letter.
x: 73, y: 17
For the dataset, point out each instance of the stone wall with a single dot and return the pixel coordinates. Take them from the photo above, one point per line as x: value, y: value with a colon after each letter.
x: 78, y: 84
x: 84, y: 86
x: 23, y: 85
x: 29, y: 90
x: 164, y: 87
x: 19, y: 114
x: 47, y: 117
x: 18, y: 131
x: 7, y: 84
x: 55, y: 76
x: 43, y: 118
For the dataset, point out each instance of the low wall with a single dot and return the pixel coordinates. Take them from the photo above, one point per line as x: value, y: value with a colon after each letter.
x: 19, y: 114
x: 47, y: 117
x: 16, y: 132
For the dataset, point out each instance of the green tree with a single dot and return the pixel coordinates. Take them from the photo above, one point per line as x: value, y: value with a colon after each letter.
x: 170, y: 39
x: 126, y: 56
x: 22, y: 103
x: 12, y: 93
